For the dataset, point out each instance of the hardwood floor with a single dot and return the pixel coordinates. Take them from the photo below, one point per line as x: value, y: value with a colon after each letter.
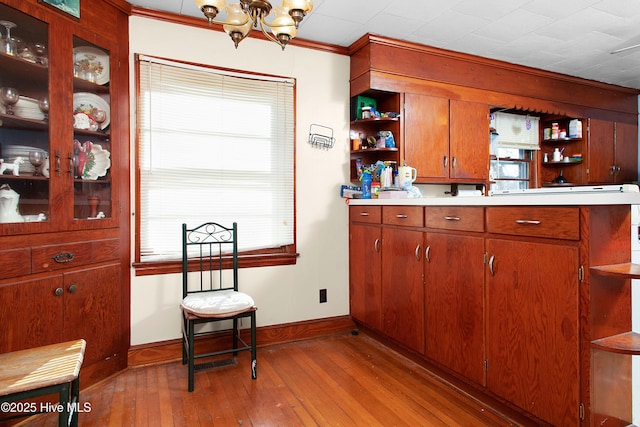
x: 342, y: 380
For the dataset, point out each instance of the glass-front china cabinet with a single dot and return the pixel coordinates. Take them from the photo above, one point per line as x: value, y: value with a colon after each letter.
x: 55, y: 137
x: 64, y: 145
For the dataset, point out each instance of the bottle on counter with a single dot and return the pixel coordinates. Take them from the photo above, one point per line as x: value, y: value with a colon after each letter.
x: 367, y: 179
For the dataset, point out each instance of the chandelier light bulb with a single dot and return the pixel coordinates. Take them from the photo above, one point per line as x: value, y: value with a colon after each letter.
x: 210, y: 8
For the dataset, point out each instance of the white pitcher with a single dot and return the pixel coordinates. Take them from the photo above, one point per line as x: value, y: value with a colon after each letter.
x: 406, y: 176
x: 9, y: 205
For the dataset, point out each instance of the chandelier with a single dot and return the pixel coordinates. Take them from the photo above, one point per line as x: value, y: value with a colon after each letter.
x: 242, y: 17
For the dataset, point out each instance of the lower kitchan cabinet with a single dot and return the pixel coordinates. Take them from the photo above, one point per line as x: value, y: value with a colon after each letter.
x: 365, y: 266
x: 532, y: 327
x: 84, y: 303
x: 403, y: 287
x: 454, y: 303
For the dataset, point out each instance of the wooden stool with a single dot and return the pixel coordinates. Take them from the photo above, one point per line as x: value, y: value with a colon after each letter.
x: 40, y: 371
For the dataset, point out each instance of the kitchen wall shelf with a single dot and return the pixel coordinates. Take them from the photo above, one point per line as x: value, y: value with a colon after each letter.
x: 626, y: 343
x: 624, y: 271
x: 562, y: 163
x: 386, y: 102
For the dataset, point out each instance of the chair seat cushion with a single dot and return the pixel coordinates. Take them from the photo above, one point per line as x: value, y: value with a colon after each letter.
x: 217, y: 303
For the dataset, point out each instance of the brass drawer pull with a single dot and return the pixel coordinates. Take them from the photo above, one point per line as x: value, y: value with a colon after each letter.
x: 63, y: 257
x: 452, y: 218
x: 528, y: 221
x: 401, y: 216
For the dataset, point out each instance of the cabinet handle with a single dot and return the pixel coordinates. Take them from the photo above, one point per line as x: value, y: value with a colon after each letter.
x: 364, y: 213
x: 528, y: 221
x: 58, y: 292
x: 427, y: 251
x: 376, y: 245
x: 63, y: 257
x: 417, y: 253
x: 452, y: 218
x: 491, y: 267
x: 612, y: 170
x: 453, y: 162
x: 58, y: 162
x: 617, y: 170
x: 401, y: 216
x: 73, y: 289
x: 445, y: 161
x: 71, y: 165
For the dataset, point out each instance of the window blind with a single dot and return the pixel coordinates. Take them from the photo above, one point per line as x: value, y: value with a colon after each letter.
x: 517, y: 131
x: 213, y: 146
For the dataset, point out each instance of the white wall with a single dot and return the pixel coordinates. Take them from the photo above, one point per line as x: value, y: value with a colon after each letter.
x: 282, y: 294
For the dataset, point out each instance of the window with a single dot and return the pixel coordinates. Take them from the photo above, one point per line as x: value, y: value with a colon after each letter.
x: 213, y: 145
x: 513, y: 143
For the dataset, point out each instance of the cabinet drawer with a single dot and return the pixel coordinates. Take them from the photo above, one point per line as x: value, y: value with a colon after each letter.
x: 56, y: 257
x: 558, y: 223
x: 455, y: 218
x: 371, y: 214
x: 412, y: 216
x: 15, y: 262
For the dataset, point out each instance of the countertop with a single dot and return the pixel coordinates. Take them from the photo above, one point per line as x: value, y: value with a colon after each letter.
x: 630, y: 196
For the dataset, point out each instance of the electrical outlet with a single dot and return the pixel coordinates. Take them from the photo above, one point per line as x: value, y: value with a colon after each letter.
x: 323, y: 295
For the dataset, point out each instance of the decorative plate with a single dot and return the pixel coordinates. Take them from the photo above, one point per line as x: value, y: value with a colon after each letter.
x: 95, y: 58
x: 91, y: 160
x: 84, y: 102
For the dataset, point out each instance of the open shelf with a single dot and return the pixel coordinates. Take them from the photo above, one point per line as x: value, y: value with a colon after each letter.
x: 625, y: 270
x: 626, y: 343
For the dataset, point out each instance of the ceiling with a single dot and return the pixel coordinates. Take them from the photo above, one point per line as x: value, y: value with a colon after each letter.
x: 573, y: 37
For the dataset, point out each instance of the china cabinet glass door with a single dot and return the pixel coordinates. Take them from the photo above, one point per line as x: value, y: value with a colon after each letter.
x: 91, y: 148
x: 24, y: 126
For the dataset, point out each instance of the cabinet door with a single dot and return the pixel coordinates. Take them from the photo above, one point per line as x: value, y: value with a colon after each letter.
x: 426, y: 136
x: 469, y: 140
x: 532, y: 327
x: 402, y: 287
x: 626, y: 152
x: 92, y: 310
x: 365, y: 274
x: 91, y: 151
x: 31, y: 313
x: 601, y: 152
x: 25, y: 127
x: 454, y: 303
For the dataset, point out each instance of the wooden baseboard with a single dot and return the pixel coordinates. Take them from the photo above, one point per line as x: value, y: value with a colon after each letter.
x: 171, y: 351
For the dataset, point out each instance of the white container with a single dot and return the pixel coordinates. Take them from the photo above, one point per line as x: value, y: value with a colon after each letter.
x: 557, y: 156
x: 575, y: 128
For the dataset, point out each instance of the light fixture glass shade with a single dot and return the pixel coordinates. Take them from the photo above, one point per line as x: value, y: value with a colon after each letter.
x: 238, y: 23
x: 218, y: 4
x: 283, y: 23
x: 304, y: 5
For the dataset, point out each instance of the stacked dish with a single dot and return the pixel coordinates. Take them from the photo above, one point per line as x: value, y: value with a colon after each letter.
x: 11, y: 152
x: 28, y: 108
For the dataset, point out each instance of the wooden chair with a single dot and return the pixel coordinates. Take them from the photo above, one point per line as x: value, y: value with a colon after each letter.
x: 210, y: 294
x: 40, y: 371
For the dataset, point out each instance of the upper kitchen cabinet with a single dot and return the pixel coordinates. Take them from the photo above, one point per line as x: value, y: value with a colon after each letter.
x: 469, y: 141
x: 446, y: 140
x: 613, y: 152
x: 453, y: 147
x: 426, y: 135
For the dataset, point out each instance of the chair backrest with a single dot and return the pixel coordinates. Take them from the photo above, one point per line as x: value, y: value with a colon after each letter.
x: 209, y: 258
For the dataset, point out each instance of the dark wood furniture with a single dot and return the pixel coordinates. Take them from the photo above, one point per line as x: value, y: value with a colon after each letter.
x: 511, y: 297
x: 446, y: 97
x: 67, y: 275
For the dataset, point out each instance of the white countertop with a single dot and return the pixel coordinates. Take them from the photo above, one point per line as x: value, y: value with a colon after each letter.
x: 524, y: 199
